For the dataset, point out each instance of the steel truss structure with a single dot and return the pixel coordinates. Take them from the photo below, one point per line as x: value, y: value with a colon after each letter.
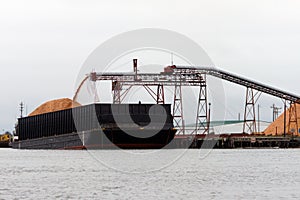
x: 178, y: 79
x: 180, y: 76
x: 249, y: 114
x: 293, y: 122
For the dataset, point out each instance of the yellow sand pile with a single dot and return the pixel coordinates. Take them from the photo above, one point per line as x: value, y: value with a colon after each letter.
x: 54, y: 105
x: 279, y: 123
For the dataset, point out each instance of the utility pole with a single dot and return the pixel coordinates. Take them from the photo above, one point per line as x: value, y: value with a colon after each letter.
x: 21, y: 109
x: 275, y: 111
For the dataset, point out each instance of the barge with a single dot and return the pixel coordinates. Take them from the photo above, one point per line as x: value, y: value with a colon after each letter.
x: 94, y: 127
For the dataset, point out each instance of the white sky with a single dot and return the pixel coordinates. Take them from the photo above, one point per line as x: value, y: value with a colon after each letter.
x: 44, y: 43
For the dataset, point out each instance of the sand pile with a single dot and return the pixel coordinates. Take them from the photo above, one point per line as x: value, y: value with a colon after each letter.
x: 279, y: 123
x: 54, y: 105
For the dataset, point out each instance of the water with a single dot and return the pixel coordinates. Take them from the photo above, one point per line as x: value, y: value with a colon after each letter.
x: 222, y: 174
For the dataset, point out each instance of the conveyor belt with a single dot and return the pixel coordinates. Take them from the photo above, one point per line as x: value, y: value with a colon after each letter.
x: 244, y: 82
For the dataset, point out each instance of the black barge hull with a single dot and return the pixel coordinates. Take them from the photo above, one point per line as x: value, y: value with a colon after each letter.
x: 97, y: 140
x: 94, y: 127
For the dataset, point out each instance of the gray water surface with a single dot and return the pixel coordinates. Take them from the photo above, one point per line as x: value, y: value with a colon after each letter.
x: 222, y: 174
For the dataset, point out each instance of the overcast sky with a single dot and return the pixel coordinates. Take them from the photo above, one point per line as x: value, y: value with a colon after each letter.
x: 44, y: 43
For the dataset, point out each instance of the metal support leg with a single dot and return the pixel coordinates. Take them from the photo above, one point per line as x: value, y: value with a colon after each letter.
x: 249, y: 114
x: 160, y: 97
x: 293, y: 122
x: 116, y: 88
x: 178, y: 110
x: 202, y: 118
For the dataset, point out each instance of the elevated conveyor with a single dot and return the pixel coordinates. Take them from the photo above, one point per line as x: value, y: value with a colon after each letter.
x: 243, y: 81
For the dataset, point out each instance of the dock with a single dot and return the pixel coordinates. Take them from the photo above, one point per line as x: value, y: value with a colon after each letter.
x: 230, y: 141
